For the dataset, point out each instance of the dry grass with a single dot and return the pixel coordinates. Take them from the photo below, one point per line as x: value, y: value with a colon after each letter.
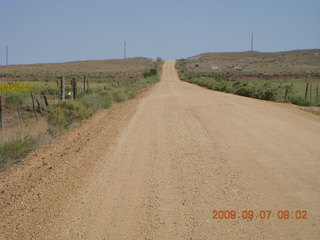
x: 37, y: 129
x: 16, y: 143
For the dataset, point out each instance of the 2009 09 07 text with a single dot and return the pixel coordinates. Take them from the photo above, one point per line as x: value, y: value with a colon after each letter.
x: 261, y: 214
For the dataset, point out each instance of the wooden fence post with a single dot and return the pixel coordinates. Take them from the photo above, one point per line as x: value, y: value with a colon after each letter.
x: 39, y: 108
x: 33, y: 106
x: 45, y: 99
x: 74, y: 88
x: 286, y: 94
x: 306, y: 94
x: 310, y: 92
x: 1, y: 112
x: 84, y: 84
x: 87, y: 80
x: 62, y: 89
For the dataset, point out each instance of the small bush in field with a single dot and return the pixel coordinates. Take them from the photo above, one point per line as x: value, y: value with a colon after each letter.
x: 106, y: 99
x: 14, y: 150
x: 131, y: 92
x: 14, y: 99
x: 267, y: 92
x: 221, y: 86
x: 96, y: 101
x: 51, y: 91
x: 247, y: 89
x: 301, y: 101
x: 150, y: 72
x: 118, y: 95
x: 65, y: 113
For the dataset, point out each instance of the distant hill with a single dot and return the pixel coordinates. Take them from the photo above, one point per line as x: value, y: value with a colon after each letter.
x: 296, y: 61
x: 115, y: 65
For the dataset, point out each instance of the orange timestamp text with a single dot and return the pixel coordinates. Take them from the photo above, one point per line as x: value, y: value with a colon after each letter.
x: 260, y: 214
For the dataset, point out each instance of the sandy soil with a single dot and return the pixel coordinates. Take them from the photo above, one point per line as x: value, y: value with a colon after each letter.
x: 157, y: 167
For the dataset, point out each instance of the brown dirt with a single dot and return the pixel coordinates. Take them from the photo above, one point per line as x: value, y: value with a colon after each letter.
x: 157, y: 166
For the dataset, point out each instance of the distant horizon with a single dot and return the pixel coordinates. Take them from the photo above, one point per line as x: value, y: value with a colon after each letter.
x: 110, y: 59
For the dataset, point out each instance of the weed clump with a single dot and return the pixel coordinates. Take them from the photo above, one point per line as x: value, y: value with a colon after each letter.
x: 65, y: 113
x: 149, y: 73
x: 14, y: 150
x: 96, y: 101
x: 249, y: 89
x: 14, y: 99
x: 301, y: 101
x: 119, y: 95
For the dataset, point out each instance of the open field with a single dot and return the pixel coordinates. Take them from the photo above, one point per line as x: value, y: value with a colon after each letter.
x: 161, y: 165
x: 94, y: 69
x: 285, y: 76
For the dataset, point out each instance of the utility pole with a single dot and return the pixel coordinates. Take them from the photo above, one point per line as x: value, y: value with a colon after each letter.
x: 7, y: 55
x: 252, y: 42
x: 125, y: 50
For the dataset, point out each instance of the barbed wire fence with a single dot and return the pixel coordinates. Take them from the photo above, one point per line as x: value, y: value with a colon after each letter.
x: 40, y: 102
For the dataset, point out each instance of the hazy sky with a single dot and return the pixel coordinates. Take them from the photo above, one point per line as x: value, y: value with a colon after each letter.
x: 39, y: 31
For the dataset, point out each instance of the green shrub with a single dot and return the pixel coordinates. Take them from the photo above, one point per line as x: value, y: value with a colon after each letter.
x: 118, y: 95
x: 36, y: 79
x: 52, y: 91
x: 236, y: 84
x: 14, y: 99
x: 14, y: 150
x: 131, y: 92
x: 95, y: 101
x: 247, y: 89
x: 267, y: 92
x: 221, y: 86
x: 106, y: 99
x: 301, y: 101
x: 65, y: 113
x: 150, y: 72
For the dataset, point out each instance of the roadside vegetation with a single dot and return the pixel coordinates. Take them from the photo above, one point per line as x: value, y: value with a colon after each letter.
x: 298, y: 85
x: 14, y: 150
x: 33, y: 112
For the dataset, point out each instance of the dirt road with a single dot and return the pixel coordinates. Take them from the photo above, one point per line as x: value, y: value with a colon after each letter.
x: 156, y: 167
